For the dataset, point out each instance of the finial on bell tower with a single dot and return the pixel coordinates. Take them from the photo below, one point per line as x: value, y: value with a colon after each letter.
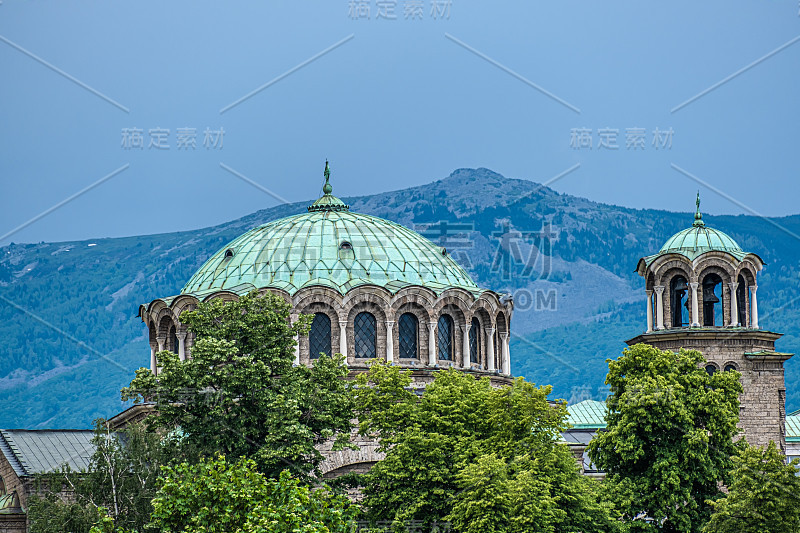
x: 698, y: 218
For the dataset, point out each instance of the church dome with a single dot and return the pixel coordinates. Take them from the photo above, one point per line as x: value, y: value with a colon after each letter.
x: 700, y: 239
x: 329, y: 246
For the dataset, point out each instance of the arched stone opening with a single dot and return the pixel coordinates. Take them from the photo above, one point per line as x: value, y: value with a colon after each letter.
x: 368, y: 300
x: 450, y: 335
x: 445, y: 339
x: 365, y: 336
x: 673, y: 291
x: 166, y: 331
x: 304, y: 341
x: 474, y: 342
x: 408, y: 336
x: 404, y: 327
x: 679, y: 301
x: 484, y: 322
x: 714, y: 300
x: 319, y: 336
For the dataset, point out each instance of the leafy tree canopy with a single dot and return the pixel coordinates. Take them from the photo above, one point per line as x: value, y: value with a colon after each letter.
x: 120, y: 483
x: 763, y: 496
x: 239, y: 393
x: 486, y: 459
x: 669, y: 437
x: 217, y: 496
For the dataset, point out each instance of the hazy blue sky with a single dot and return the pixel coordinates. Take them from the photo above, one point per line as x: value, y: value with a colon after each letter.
x: 398, y: 104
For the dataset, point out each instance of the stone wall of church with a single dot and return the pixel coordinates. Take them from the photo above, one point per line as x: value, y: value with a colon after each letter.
x: 13, y: 523
x: 12, y: 482
x: 762, y: 410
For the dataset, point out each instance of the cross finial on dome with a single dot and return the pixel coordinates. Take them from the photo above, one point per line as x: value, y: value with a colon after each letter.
x: 327, y: 202
x: 698, y: 218
x: 327, y: 189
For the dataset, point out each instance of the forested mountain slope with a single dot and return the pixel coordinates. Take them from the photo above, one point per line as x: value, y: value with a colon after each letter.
x: 71, y: 338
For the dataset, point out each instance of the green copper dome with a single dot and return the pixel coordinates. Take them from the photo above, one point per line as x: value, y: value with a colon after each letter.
x: 699, y: 239
x: 332, y: 247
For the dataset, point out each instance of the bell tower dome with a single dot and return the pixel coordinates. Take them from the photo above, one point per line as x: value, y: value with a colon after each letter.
x: 701, y: 295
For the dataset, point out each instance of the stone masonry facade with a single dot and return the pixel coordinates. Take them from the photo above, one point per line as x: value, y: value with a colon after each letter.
x: 762, y: 410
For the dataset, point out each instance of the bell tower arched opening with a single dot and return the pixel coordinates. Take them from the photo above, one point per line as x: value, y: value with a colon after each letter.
x: 713, y: 295
x: 679, y: 303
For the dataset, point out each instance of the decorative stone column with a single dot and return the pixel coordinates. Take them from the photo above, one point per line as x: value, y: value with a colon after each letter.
x: 160, y: 341
x: 659, y: 306
x: 343, y: 339
x: 649, y: 310
x: 153, y: 362
x: 695, y: 306
x: 490, y: 349
x: 182, y: 345
x: 753, y: 307
x: 389, y: 342
x: 734, y: 304
x: 432, y: 356
x: 465, y: 360
x: 505, y: 359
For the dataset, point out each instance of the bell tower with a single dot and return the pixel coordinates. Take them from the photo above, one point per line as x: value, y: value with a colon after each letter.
x: 701, y: 295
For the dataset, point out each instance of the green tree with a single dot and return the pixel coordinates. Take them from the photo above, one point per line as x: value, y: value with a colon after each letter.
x: 669, y: 437
x: 217, y: 496
x: 121, y: 478
x: 763, y: 496
x: 484, y: 458
x: 240, y: 395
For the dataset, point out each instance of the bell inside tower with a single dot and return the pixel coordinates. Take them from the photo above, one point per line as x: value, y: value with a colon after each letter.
x: 679, y: 303
x: 712, y: 292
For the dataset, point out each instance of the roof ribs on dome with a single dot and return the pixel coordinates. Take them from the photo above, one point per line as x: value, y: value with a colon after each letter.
x: 332, y: 247
x: 696, y: 241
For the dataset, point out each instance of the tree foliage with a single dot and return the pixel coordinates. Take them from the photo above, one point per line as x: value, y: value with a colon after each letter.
x: 669, y: 437
x: 763, y: 496
x: 120, y: 483
x: 217, y: 496
x: 486, y: 459
x: 239, y: 393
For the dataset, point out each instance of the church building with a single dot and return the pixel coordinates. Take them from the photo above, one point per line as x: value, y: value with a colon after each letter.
x: 377, y: 289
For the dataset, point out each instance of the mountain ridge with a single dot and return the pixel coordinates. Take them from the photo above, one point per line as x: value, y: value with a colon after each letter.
x: 93, y: 292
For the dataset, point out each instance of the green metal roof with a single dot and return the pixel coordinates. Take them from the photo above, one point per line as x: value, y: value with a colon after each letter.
x: 332, y: 247
x: 793, y: 428
x: 697, y: 240
x: 36, y: 451
x: 588, y: 414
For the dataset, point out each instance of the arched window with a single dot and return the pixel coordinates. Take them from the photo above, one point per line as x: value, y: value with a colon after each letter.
x: 741, y: 301
x: 444, y: 334
x: 172, y: 344
x: 711, y: 369
x: 474, y: 332
x: 365, y: 330
x: 730, y: 367
x: 408, y: 327
x: 712, y: 291
x: 319, y: 336
x: 678, y: 301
